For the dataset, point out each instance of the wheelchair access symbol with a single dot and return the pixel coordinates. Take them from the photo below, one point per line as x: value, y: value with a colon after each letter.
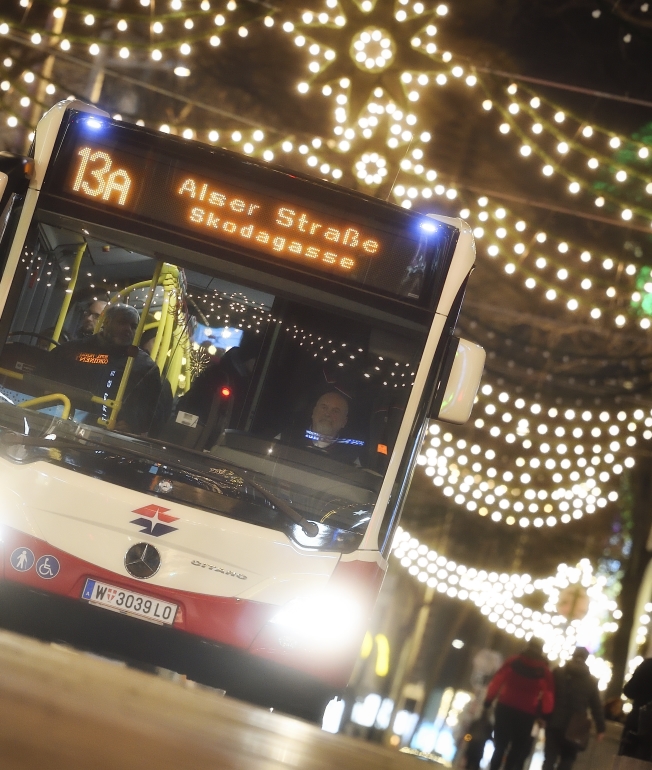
x: 47, y: 567
x: 22, y: 559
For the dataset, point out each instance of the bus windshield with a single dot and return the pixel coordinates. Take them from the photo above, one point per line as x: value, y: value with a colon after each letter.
x: 147, y: 371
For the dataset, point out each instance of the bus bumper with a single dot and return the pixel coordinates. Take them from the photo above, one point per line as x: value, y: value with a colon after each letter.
x: 222, y: 642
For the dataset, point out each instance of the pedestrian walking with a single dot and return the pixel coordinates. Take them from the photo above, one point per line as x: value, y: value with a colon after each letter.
x: 476, y: 738
x: 524, y: 690
x: 637, y: 733
x: 568, y: 727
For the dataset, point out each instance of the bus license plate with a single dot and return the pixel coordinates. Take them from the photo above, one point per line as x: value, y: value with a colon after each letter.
x: 129, y: 602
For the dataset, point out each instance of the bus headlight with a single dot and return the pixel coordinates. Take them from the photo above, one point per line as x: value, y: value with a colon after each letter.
x: 326, y: 618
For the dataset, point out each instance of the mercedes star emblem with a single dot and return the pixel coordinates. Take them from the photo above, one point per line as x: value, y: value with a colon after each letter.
x: 142, y: 560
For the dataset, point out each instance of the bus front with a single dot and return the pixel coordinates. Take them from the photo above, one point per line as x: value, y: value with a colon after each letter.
x: 214, y: 380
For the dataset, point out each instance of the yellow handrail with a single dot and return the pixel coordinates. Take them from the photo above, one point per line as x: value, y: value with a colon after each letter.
x: 176, y: 358
x: 67, y: 406
x: 161, y: 326
x: 130, y: 361
x: 9, y: 373
x: 68, y: 295
x: 168, y: 325
x: 188, y: 372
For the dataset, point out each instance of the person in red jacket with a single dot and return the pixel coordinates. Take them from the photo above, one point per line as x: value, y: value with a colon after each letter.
x: 524, y: 689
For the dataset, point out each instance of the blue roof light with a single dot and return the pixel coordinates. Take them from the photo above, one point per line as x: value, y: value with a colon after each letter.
x: 94, y: 123
x: 429, y: 227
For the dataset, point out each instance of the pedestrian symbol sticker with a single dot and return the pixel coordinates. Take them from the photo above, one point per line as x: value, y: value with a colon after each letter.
x: 47, y: 567
x: 22, y: 559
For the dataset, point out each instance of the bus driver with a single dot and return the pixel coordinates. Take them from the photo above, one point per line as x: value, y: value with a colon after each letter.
x: 329, y: 417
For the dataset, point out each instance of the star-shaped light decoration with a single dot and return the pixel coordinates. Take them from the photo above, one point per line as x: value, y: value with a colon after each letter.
x: 371, y: 59
x: 370, y: 44
x: 385, y: 140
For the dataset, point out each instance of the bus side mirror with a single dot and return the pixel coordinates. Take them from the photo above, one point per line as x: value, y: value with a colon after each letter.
x: 463, y: 383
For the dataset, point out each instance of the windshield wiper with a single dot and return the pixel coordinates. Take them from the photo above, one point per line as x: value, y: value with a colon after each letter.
x: 310, y: 528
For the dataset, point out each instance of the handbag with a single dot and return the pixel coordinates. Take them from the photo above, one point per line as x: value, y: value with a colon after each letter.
x: 578, y: 730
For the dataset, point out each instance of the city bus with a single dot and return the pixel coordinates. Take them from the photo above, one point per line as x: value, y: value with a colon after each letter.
x: 215, y: 377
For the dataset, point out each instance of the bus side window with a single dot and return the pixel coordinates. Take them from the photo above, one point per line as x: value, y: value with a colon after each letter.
x: 385, y: 424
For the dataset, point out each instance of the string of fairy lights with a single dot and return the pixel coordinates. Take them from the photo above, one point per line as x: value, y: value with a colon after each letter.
x: 576, y: 476
x: 555, y: 141
x: 519, y: 605
x: 598, y: 285
x: 156, y: 34
x: 225, y: 310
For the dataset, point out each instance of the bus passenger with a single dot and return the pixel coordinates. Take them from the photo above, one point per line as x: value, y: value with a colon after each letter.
x: 84, y: 328
x: 96, y: 364
x: 329, y: 417
x: 165, y: 399
x: 216, y: 396
x: 89, y: 318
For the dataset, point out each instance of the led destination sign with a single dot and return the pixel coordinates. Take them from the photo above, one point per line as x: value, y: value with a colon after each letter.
x: 234, y: 203
x: 287, y: 230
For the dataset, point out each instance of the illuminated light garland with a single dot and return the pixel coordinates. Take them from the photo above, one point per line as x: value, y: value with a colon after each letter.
x: 552, y: 164
x: 519, y: 245
x: 380, y: 100
x: 579, y: 130
x: 139, y: 25
x: 457, y: 72
x: 442, y: 453
x: 416, y: 81
x: 505, y: 600
x: 555, y: 445
x: 472, y: 481
x: 557, y: 461
x: 136, y: 26
x: 560, y: 427
x: 234, y: 310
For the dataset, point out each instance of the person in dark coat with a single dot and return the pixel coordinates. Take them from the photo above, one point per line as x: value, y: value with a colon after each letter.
x: 216, y: 397
x: 576, y: 691
x: 165, y: 399
x: 639, y: 691
x: 479, y: 733
x: 524, y: 689
x: 97, y: 363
